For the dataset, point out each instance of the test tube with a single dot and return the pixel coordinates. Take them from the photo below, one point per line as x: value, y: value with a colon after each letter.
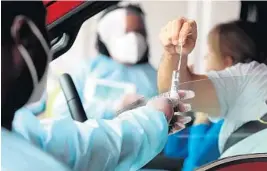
x: 174, y: 84
x: 176, y: 75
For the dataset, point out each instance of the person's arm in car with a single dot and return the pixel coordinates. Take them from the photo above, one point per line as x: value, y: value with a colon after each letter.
x: 200, y: 84
x: 127, y: 142
x: 185, y: 31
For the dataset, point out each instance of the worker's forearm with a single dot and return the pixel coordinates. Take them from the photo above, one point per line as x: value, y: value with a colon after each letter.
x: 169, y: 62
x: 185, y: 73
x: 205, y: 97
x: 187, y: 76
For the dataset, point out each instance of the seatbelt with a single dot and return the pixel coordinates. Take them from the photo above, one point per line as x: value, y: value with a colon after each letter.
x: 245, y: 131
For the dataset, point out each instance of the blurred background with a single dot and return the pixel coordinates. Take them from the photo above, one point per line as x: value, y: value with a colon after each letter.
x: 158, y: 13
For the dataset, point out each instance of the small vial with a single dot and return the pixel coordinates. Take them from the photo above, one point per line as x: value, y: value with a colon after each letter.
x: 174, y: 85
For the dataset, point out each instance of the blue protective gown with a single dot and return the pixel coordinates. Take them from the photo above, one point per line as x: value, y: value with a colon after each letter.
x: 177, y: 144
x: 19, y: 154
x: 127, y: 142
x: 38, y: 107
x: 142, y: 76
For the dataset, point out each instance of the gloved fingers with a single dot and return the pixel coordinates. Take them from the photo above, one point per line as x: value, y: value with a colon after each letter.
x: 176, y: 128
x: 177, y: 118
x: 182, y: 119
x: 178, y: 123
x: 186, y: 94
x: 182, y: 95
x: 164, y: 105
x: 128, y: 100
x: 182, y: 107
x: 162, y: 95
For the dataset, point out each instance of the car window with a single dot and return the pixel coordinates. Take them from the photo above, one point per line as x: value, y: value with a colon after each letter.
x: 207, y: 14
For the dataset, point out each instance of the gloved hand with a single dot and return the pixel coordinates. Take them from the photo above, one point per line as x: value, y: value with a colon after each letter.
x: 166, y: 105
x: 127, y: 100
x: 176, y: 31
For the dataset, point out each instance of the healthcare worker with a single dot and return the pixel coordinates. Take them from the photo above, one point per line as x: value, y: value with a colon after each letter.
x: 237, y: 93
x: 125, y: 143
x: 121, y: 68
x: 17, y: 85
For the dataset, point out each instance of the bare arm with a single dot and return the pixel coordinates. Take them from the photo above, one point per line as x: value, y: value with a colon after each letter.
x: 205, y: 99
x: 167, y: 65
x: 218, y: 92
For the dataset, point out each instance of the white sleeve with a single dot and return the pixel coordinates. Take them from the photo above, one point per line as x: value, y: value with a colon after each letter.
x: 127, y: 142
x: 239, y: 85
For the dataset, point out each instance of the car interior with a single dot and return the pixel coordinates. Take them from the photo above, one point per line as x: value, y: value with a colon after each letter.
x: 64, y: 20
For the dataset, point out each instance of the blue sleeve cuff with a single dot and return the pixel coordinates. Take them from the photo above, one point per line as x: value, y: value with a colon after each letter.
x: 177, y: 144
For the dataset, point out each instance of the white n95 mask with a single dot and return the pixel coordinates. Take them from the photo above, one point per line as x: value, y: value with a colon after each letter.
x: 129, y: 48
x: 38, y: 86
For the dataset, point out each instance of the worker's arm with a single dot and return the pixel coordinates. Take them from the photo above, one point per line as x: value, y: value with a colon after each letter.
x: 218, y: 92
x: 169, y: 62
x: 188, y: 81
x: 221, y: 91
x: 126, y: 143
x: 205, y: 99
x: 172, y: 35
